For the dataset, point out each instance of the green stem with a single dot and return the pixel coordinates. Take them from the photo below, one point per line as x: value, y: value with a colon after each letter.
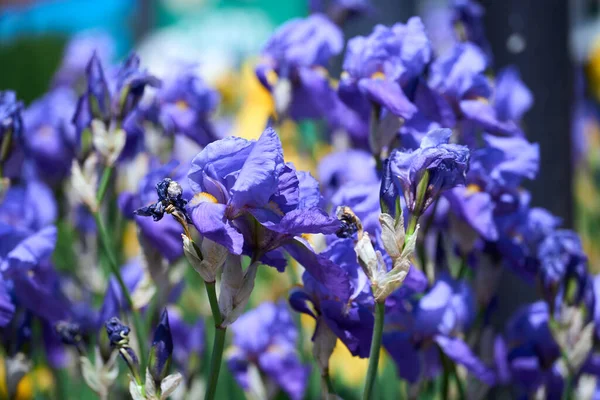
x: 459, y: 385
x: 219, y: 343
x: 568, y: 390
x: 446, y: 376
x: 375, y: 350
x: 293, y: 283
x: 211, y: 291
x: 373, y: 126
x: 5, y: 150
x: 104, y: 181
x: 114, y: 268
x: 328, y: 385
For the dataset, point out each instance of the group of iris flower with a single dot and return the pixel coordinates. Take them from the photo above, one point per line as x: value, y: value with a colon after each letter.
x: 418, y: 212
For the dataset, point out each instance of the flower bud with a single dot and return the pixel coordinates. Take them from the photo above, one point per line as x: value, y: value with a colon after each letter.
x: 118, y: 335
x: 206, y: 262
x: 236, y: 287
x: 162, y: 350
x: 117, y: 332
x: 98, y: 95
x: 11, y: 124
x: 399, y: 246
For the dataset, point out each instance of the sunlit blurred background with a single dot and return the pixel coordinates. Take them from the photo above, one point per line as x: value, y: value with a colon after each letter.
x: 555, y: 44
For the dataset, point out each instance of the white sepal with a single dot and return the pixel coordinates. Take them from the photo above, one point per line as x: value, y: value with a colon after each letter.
x: 169, y: 384
x: 236, y: 287
x: 256, y: 388
x: 282, y: 95
x: 109, y: 143
x: 135, y: 390
x: 323, y: 345
x: 208, y: 263
x: 84, y: 184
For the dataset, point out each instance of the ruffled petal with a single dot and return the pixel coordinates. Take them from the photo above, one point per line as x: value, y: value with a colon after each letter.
x: 460, y: 353
x: 31, y: 251
x: 329, y: 274
x: 388, y: 94
x: 209, y: 219
x: 259, y: 177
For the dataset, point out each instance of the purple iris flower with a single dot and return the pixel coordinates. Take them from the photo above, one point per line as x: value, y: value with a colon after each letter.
x: 188, y: 340
x: 521, y: 234
x: 161, y: 350
x: 28, y: 280
x: 530, y: 352
x: 350, y: 166
x: 469, y: 15
x: 164, y: 234
x: 462, y: 88
x: 417, y: 333
x: 493, y: 182
x: 114, y: 300
x: 293, y: 66
x: 11, y: 132
x: 250, y: 201
x: 79, y: 50
x: 379, y: 67
x: 351, y: 321
x: 10, y: 114
x: 445, y: 163
x: 112, y: 98
x: 28, y: 207
x: 184, y: 104
x: 51, y: 140
x: 561, y: 259
x: 266, y: 337
x: 512, y: 98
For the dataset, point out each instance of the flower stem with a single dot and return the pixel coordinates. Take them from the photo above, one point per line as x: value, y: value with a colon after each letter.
x: 375, y: 350
x: 219, y: 342
x: 106, y: 175
x: 568, y: 387
x: 327, y: 386
x: 373, y: 127
x: 114, y: 268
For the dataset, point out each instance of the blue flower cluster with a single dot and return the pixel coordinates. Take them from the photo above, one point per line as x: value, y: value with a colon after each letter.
x: 417, y: 212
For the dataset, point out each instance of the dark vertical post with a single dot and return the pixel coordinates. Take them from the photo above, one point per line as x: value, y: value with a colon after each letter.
x: 534, y: 36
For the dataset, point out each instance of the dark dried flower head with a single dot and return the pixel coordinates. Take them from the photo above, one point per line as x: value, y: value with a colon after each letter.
x: 170, y: 200
x: 117, y: 332
x: 68, y: 332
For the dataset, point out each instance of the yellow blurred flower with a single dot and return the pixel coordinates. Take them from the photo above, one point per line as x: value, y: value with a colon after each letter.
x: 39, y: 380
x: 256, y: 105
x: 343, y: 366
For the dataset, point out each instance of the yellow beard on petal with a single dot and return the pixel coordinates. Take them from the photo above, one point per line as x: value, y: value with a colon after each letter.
x: 202, y: 197
x: 473, y: 188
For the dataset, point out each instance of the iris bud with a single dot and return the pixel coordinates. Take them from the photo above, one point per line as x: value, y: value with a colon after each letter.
x: 161, y: 351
